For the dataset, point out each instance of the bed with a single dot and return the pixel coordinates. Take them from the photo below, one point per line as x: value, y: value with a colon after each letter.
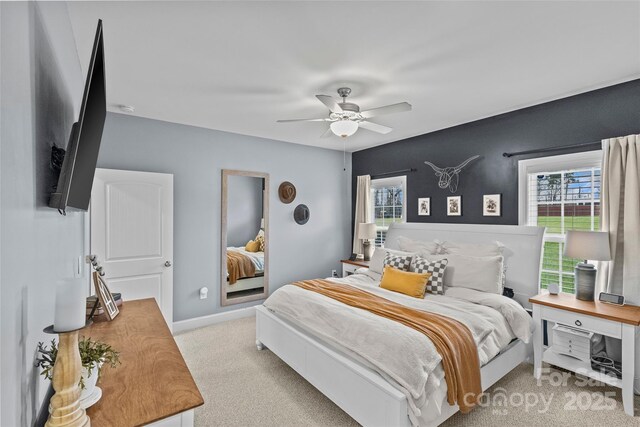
x: 243, y: 283
x: 372, y: 396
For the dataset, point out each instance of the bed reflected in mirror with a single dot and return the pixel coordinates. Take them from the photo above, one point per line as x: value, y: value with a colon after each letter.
x: 245, y: 243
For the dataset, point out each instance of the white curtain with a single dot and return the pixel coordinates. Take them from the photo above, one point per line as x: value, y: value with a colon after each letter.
x: 363, y: 209
x: 620, y: 216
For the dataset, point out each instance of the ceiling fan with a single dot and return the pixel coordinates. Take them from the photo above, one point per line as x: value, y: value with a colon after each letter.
x: 346, y: 117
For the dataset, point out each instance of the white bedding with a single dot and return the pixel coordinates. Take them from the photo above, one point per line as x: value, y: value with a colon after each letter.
x: 256, y: 257
x: 403, y: 356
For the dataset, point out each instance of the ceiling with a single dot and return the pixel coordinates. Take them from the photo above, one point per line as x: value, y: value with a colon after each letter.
x: 240, y: 66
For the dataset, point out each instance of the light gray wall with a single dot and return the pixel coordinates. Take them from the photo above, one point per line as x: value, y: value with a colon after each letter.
x: 41, y: 86
x: 244, y: 208
x: 196, y: 157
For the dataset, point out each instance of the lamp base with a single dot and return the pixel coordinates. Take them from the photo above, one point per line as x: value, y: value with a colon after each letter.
x: 367, y: 249
x: 585, y: 281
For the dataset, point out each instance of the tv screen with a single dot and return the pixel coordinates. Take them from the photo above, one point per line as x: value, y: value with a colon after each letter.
x: 79, y: 165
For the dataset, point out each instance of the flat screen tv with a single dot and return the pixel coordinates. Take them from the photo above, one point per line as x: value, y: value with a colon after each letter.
x: 79, y: 164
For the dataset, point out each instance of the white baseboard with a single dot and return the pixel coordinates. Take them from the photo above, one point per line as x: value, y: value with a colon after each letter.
x: 200, y: 322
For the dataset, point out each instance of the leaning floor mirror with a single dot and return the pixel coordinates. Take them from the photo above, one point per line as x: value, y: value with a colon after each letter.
x: 244, y: 237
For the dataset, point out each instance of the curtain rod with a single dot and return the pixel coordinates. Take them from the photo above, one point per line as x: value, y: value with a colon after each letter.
x: 378, y: 175
x: 544, y: 150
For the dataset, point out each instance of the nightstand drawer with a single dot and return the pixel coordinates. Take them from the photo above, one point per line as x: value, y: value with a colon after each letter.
x: 583, y: 321
x: 565, y: 342
x: 349, y: 269
x: 578, y: 353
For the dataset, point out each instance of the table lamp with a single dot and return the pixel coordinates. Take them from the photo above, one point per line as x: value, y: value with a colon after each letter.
x: 367, y: 231
x: 586, y: 245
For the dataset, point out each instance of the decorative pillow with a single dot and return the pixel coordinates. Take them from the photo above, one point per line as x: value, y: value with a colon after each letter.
x: 398, y: 261
x: 479, y: 273
x: 252, y: 246
x: 260, y: 241
x: 405, y: 282
x: 472, y: 249
x: 377, y: 259
x: 436, y: 269
x: 419, y: 247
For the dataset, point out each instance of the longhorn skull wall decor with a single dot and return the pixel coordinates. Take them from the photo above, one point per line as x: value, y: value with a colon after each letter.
x: 448, y: 177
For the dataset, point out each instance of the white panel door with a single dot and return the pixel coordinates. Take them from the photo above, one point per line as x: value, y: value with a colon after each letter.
x: 132, y: 234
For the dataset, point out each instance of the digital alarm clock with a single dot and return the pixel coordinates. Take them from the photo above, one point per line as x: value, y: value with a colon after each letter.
x: 611, y: 298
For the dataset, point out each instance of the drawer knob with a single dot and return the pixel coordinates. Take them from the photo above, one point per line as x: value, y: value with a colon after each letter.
x: 578, y: 323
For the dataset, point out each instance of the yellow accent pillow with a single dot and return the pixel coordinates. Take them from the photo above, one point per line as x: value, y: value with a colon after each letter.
x: 405, y: 282
x: 252, y: 246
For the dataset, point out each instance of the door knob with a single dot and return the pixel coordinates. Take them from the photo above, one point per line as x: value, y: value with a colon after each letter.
x: 167, y: 264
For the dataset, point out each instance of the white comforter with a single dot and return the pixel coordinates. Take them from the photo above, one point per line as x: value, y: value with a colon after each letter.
x: 400, y: 354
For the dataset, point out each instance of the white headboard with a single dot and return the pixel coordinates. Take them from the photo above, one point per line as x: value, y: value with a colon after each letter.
x: 522, y: 252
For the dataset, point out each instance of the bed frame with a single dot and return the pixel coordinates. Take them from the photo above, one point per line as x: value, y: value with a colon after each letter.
x: 362, y: 392
x: 245, y: 284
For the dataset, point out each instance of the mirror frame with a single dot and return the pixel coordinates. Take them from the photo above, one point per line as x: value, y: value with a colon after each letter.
x: 224, y: 301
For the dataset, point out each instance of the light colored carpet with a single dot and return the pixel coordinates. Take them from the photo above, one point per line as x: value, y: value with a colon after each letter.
x: 242, y: 386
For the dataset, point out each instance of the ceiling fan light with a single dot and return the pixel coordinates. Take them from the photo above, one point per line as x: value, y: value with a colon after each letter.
x: 344, y: 128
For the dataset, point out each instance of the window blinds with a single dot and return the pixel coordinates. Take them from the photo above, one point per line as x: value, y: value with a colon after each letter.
x: 388, y: 204
x: 560, y: 201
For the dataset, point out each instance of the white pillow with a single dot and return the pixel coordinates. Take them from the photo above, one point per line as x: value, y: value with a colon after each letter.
x: 479, y: 273
x: 472, y: 249
x: 418, y: 247
x: 376, y: 264
x: 377, y: 277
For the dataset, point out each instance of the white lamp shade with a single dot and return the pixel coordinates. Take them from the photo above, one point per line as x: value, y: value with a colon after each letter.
x: 344, y: 128
x: 367, y: 230
x: 589, y: 245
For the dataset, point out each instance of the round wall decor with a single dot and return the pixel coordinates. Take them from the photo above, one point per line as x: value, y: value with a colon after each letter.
x: 301, y: 214
x: 287, y: 192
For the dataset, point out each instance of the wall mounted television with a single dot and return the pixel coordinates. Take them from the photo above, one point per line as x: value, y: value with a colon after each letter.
x: 79, y: 165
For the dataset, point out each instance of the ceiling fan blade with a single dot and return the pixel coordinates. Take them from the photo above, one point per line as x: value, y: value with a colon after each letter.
x: 331, y: 103
x: 375, y: 127
x: 301, y: 120
x: 387, y: 109
x: 327, y: 134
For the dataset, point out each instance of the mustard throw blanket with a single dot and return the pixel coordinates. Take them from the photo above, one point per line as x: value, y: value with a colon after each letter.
x: 453, y: 340
x: 239, y: 266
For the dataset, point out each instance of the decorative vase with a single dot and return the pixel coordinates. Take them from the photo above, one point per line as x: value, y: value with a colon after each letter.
x: 89, y: 382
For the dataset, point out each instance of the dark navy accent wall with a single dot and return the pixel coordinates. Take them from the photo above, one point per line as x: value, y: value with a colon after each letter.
x: 591, y: 116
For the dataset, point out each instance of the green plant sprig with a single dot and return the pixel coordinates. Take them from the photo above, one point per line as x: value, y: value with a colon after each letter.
x: 92, y: 354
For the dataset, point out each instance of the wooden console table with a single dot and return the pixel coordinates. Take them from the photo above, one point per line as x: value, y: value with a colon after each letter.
x: 153, y: 382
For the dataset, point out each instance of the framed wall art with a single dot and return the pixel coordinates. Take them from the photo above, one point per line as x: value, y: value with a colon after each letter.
x: 454, y: 206
x: 491, y: 205
x: 424, y: 206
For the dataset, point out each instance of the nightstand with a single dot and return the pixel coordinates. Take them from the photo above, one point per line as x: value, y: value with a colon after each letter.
x: 349, y: 267
x: 620, y: 322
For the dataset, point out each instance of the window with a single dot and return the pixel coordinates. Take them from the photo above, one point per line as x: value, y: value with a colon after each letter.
x: 560, y: 193
x: 387, y: 204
